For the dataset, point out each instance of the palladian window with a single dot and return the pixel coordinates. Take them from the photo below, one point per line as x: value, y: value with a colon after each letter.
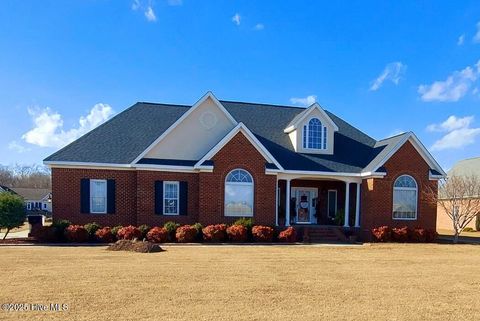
x: 314, y: 135
x: 239, y: 194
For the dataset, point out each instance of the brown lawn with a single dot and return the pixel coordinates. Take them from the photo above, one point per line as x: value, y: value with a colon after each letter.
x: 378, y: 282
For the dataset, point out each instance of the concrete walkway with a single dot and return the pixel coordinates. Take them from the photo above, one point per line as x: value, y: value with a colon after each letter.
x: 12, y: 235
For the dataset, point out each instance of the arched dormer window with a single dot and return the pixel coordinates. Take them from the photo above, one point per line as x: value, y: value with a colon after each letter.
x: 239, y: 194
x: 314, y: 135
x: 405, y: 194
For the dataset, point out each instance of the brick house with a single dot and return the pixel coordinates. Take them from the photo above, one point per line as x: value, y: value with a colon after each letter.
x: 216, y: 161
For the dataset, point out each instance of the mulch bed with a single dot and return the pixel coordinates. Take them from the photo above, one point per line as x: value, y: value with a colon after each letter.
x: 135, y: 246
x: 23, y: 240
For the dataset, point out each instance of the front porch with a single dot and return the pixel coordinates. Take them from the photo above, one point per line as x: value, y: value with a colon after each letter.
x: 318, y: 200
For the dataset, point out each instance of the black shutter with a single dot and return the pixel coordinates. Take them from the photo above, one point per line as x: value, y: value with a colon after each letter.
x: 111, y: 196
x: 85, y: 195
x: 183, y: 198
x: 159, y: 197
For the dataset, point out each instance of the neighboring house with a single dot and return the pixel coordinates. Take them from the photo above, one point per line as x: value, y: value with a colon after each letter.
x: 216, y: 161
x: 36, y: 199
x: 6, y: 189
x: 464, y: 167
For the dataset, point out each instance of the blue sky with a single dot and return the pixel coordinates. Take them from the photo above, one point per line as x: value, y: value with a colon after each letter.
x: 65, y: 67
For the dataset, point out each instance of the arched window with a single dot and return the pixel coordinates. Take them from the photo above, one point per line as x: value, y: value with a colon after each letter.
x: 405, y: 194
x: 239, y: 193
x: 312, y: 135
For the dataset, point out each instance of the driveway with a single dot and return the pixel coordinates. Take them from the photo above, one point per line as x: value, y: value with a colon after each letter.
x: 15, y: 234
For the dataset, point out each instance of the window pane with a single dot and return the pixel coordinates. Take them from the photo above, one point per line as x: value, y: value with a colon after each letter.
x: 238, y: 200
x: 98, y: 196
x: 404, y: 203
x: 314, y: 134
x: 170, y: 198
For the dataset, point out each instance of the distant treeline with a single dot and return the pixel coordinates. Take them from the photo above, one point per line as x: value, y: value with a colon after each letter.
x: 33, y: 176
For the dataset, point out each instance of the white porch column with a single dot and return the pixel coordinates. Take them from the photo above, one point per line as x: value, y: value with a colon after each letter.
x: 287, y: 204
x: 276, y: 203
x: 357, y: 206
x: 347, y: 204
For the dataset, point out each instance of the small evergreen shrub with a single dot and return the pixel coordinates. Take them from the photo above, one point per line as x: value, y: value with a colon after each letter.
x: 115, y: 230
x: 76, y: 233
x: 186, y: 234
x: 262, y: 233
x: 171, y: 228
x: 237, y: 233
x: 198, y: 227
x: 400, y: 234
x: 129, y: 233
x: 92, y: 228
x: 382, y: 234
x: 246, y: 222
x: 105, y: 235
x: 468, y: 229
x: 157, y: 235
x: 215, y: 233
x: 47, y: 234
x: 60, y: 227
x: 288, y: 235
x: 144, y: 228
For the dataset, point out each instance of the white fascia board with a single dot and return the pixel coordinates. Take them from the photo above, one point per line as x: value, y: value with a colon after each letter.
x: 165, y: 168
x: 325, y: 174
x: 308, y: 112
x: 417, y: 144
x: 251, y: 138
x: 63, y: 164
x: 185, y: 115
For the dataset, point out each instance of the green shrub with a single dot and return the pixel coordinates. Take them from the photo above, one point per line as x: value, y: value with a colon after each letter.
x: 60, y: 226
x: 477, y: 222
x: 246, y: 222
x: 92, y: 228
x: 144, y: 228
x: 171, y: 228
x: 115, y: 230
x: 198, y: 227
x: 12, y: 211
x: 468, y: 229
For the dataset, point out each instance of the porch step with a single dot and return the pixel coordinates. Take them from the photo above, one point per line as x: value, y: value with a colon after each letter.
x: 323, y: 234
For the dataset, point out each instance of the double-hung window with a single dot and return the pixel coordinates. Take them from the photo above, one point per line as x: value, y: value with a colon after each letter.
x: 170, y: 198
x: 98, y: 196
x: 405, y: 194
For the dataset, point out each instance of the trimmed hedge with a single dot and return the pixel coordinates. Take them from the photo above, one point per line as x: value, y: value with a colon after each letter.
x: 215, y: 233
x: 105, y: 235
x: 157, y: 235
x: 404, y: 234
x: 262, y: 233
x: 76, y: 233
x: 237, y: 233
x: 186, y: 234
x: 129, y: 233
x: 289, y: 235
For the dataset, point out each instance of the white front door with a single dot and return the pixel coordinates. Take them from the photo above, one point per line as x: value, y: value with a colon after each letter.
x: 305, y: 204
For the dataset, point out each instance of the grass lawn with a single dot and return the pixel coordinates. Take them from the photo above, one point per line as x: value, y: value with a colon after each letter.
x: 378, y: 282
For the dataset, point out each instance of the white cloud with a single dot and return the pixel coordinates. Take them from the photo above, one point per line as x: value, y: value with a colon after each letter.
x: 393, y: 72
x: 450, y: 124
x: 458, y: 133
x: 259, y: 26
x: 150, y: 14
x: 48, y: 126
x: 15, y: 146
x: 175, y: 2
x: 453, y: 88
x: 306, y: 101
x: 236, y: 19
x: 461, y: 40
x: 476, y: 38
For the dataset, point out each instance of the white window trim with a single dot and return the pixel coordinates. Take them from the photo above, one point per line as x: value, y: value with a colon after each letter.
x: 91, y: 199
x: 29, y: 206
x: 328, y: 202
x: 238, y: 184
x: 323, y: 139
x: 177, y: 183
x: 406, y: 189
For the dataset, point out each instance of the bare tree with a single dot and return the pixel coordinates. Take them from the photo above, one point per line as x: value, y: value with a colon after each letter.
x: 459, y: 197
x: 32, y: 176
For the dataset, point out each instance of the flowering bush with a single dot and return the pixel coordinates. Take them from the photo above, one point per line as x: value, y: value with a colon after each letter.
x: 289, y: 235
x: 186, y: 234
x: 105, y: 235
x: 262, y: 233
x: 419, y: 235
x: 158, y: 235
x: 237, y: 233
x: 129, y: 233
x: 382, y: 234
x: 215, y: 233
x: 400, y: 234
x: 76, y: 233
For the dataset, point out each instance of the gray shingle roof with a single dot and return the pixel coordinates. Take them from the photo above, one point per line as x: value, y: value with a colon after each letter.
x: 32, y: 194
x: 121, y: 139
x: 466, y: 167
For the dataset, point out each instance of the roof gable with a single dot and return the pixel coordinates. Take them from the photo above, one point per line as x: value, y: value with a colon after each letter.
x: 304, y: 114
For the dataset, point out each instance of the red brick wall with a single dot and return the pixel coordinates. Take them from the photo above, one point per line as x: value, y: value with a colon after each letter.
x: 146, y: 197
x: 238, y: 153
x: 66, y: 196
x: 377, y: 194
